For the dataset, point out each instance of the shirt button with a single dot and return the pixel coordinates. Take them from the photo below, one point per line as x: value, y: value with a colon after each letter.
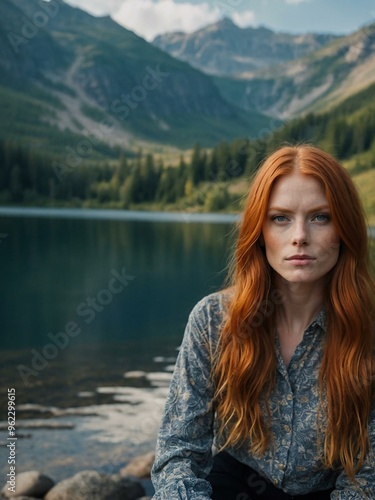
x: 289, y: 397
x: 287, y: 428
x: 281, y: 466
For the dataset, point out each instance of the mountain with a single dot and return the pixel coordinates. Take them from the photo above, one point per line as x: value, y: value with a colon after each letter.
x: 65, y: 74
x: 315, y: 82
x: 276, y: 73
x: 224, y: 49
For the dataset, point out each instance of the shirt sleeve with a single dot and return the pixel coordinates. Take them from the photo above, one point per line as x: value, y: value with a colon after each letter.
x: 183, y: 451
x: 364, y: 488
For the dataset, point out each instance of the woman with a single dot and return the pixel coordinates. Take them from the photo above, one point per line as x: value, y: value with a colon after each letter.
x: 277, y: 370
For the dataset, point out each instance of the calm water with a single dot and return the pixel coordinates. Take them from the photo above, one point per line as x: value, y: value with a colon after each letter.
x: 53, y: 268
x: 57, y: 273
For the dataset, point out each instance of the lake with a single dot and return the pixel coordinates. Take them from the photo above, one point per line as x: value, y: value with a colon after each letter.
x: 94, y: 306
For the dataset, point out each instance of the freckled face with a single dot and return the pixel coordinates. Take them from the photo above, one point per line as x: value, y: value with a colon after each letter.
x: 301, y: 242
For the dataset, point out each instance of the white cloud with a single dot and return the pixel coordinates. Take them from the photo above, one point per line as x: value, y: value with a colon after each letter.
x: 244, y: 19
x: 149, y: 18
x: 97, y: 7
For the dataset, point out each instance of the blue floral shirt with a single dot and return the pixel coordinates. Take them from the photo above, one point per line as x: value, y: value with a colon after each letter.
x: 188, y: 428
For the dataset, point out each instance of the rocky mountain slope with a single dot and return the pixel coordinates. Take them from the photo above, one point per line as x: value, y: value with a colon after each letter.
x: 315, y: 82
x: 65, y: 73
x: 276, y: 73
x: 225, y: 49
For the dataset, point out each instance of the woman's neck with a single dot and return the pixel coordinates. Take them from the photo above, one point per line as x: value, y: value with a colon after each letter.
x: 299, y: 306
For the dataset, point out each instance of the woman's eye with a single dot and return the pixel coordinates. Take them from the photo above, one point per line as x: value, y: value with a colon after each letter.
x: 321, y: 217
x: 279, y: 218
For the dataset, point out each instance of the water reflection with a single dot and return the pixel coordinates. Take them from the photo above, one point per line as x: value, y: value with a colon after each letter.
x: 51, y: 266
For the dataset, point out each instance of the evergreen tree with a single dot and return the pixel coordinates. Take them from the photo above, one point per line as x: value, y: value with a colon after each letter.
x: 184, y: 177
x: 166, y: 192
x: 197, y: 164
x: 123, y: 169
x: 16, y: 183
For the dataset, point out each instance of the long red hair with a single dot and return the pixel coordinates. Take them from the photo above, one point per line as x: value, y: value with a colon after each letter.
x: 245, y: 365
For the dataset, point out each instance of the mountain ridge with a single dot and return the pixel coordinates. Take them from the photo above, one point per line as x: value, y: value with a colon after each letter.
x: 79, y: 70
x: 316, y: 82
x: 323, y: 73
x: 224, y: 49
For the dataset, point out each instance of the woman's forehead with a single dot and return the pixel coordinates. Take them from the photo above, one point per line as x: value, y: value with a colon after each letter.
x: 297, y: 187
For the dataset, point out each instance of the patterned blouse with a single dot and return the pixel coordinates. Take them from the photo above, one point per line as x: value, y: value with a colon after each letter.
x: 188, y: 429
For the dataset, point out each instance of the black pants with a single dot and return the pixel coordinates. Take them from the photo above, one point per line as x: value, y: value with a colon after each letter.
x: 233, y: 480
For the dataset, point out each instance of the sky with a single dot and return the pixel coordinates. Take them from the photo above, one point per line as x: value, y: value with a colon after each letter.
x: 149, y: 18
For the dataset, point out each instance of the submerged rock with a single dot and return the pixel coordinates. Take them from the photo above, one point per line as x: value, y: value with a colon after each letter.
x: 29, y: 484
x: 94, y: 486
x: 25, y: 498
x: 140, y: 466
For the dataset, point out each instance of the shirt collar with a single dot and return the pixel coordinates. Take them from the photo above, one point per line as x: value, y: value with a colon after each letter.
x: 320, y: 321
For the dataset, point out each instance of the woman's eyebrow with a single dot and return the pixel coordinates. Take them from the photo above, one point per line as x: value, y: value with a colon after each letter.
x: 288, y: 210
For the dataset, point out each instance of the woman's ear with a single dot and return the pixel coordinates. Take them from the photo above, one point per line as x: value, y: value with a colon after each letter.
x: 261, y: 240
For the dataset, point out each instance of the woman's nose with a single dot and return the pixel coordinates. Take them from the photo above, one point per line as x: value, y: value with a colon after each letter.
x: 300, y: 234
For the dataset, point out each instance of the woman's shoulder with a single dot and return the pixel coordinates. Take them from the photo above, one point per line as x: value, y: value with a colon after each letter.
x: 206, y: 319
x: 213, y: 304
x: 210, y: 311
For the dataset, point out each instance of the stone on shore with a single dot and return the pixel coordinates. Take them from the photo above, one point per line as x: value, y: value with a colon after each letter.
x: 29, y: 484
x: 26, y: 498
x: 139, y: 467
x: 94, y: 486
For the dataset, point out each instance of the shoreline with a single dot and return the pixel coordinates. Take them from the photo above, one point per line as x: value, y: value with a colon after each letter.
x: 132, y: 480
x: 121, y: 214
x: 103, y: 437
x: 118, y: 214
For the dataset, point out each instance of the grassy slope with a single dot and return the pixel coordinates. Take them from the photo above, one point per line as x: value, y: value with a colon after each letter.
x: 32, y: 130
x: 365, y: 181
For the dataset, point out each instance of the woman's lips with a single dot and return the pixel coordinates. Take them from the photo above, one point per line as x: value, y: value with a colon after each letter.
x: 300, y: 260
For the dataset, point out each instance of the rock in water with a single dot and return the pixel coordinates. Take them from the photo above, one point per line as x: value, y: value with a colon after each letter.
x: 139, y: 467
x: 29, y: 498
x: 29, y: 484
x: 94, y: 486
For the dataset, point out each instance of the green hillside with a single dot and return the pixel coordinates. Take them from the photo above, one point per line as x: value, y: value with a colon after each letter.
x: 77, y: 71
x: 209, y: 180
